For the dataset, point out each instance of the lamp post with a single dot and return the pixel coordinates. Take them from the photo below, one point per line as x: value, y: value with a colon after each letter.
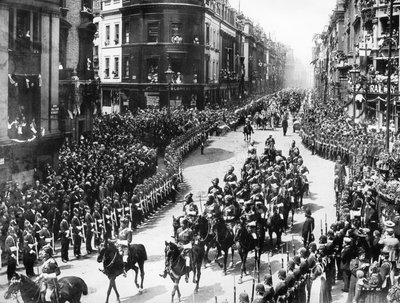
x: 168, y: 75
x: 354, y: 74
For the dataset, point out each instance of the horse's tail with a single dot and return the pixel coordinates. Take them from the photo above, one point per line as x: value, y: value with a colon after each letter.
x: 84, y: 288
x: 144, y: 253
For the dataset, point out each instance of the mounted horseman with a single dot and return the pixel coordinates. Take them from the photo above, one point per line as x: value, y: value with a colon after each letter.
x: 123, y: 242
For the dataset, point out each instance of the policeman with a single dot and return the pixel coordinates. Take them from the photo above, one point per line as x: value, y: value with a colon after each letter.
x: 89, y: 221
x: 76, y: 233
x: 11, y: 248
x: 65, y: 234
x: 124, y: 239
x: 48, y: 278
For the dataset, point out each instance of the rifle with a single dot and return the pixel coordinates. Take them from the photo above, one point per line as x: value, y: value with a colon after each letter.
x: 17, y: 244
x: 234, y: 289
x: 283, y: 264
x: 326, y: 224
x: 252, y: 289
x: 322, y: 230
x: 269, y: 266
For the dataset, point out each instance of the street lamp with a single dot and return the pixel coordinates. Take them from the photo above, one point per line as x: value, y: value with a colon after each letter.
x: 354, y: 75
x: 168, y: 75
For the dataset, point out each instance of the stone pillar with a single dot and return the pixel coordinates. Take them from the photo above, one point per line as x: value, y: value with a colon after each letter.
x: 45, y: 73
x: 54, y: 57
x: 4, y: 15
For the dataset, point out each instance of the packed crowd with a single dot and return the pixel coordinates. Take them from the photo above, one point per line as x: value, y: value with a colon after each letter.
x: 109, y: 175
x: 366, y: 235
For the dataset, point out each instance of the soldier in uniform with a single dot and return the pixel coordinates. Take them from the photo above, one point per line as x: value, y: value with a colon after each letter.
x: 48, y: 278
x: 281, y: 287
x: 99, y: 224
x: 11, y: 248
x: 215, y: 189
x: 211, y: 208
x: 76, y: 233
x: 29, y: 254
x: 89, y: 221
x: 230, y: 212
x: 107, y: 223
x: 124, y: 239
x: 65, y: 236
x: 269, y: 293
x: 230, y: 177
x: 44, y: 235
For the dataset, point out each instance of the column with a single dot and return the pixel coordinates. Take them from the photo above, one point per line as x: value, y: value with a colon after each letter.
x: 54, y: 72
x: 45, y: 74
x: 4, y: 15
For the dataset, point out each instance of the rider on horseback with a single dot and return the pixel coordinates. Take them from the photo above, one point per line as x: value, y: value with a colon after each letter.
x: 124, y: 239
x: 185, y: 241
x: 230, y: 212
x: 48, y: 278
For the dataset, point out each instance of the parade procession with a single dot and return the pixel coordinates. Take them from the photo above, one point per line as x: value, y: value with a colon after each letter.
x: 199, y: 151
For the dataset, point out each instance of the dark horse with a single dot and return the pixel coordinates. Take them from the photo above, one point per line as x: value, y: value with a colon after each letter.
x: 177, y: 265
x: 300, y: 186
x: 275, y: 224
x: 70, y: 289
x: 114, y: 265
x: 244, y: 244
x: 202, y: 228
x: 247, y: 131
x: 224, y: 239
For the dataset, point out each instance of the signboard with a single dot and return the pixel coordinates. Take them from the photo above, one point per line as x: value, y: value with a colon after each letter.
x: 176, y: 103
x: 54, y: 111
x: 152, y: 99
x: 1, y: 161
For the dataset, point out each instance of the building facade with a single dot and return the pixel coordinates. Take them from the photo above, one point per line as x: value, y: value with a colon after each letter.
x: 29, y: 62
x: 356, y: 38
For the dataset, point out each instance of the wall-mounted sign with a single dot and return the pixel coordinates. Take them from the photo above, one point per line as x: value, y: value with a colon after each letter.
x: 2, y: 161
x: 152, y: 99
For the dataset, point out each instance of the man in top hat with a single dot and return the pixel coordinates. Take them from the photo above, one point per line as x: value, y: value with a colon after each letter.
x: 50, y: 271
x: 65, y: 236
x: 308, y: 228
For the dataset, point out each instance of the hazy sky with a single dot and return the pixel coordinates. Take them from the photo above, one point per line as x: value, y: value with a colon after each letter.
x: 292, y: 22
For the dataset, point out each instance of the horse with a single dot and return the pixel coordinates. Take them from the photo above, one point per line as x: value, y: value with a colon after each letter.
x: 202, y: 228
x: 70, y: 289
x: 275, y: 225
x: 299, y: 188
x: 244, y: 244
x: 177, y: 265
x: 114, y: 266
x: 224, y: 239
x: 247, y: 131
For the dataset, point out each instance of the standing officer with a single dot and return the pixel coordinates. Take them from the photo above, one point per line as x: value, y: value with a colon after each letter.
x: 65, y: 236
x: 29, y: 255
x: 44, y: 235
x: 76, y: 233
x: 89, y: 229
x: 11, y: 248
x: 99, y: 224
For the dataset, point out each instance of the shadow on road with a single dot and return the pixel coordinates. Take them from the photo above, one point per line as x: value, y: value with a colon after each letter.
x: 147, y: 294
x: 211, y: 155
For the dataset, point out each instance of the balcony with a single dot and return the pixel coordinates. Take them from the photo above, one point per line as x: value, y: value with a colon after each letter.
x: 136, y: 2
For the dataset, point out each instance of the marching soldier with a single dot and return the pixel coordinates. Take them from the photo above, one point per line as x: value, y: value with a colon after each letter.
x: 29, y: 251
x: 65, y: 236
x: 11, y: 250
x: 76, y: 233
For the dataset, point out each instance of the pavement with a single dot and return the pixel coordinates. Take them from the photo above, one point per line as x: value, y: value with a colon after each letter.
x: 198, y: 171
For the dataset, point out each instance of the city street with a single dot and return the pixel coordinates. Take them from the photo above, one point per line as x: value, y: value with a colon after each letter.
x: 198, y: 171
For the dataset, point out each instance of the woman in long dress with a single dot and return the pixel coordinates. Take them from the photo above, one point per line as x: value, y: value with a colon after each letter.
x: 319, y: 291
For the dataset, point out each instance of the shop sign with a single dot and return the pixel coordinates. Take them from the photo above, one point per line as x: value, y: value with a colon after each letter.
x: 152, y: 99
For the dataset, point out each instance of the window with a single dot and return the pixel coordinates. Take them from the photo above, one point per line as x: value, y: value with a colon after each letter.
x: 207, y: 34
x: 126, y: 67
x: 116, y: 67
x: 176, y: 33
x: 152, y: 70
x: 107, y: 68
x: 107, y: 2
x: 152, y: 33
x: 36, y: 33
x: 116, y: 34
x: 107, y: 37
x: 127, y: 30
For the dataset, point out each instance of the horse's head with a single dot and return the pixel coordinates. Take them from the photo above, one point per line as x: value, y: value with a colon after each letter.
x: 14, y: 287
x: 239, y: 229
x: 176, y: 223
x: 105, y: 249
x: 171, y: 250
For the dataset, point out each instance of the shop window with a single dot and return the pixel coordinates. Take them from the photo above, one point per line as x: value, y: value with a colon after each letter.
x: 152, y: 70
x: 106, y: 67
x: 106, y: 98
x: 116, y: 67
x: 23, y: 30
x: 107, y: 35
x: 176, y: 33
x: 127, y: 30
x: 153, y: 30
x: 126, y: 67
x: 116, y: 34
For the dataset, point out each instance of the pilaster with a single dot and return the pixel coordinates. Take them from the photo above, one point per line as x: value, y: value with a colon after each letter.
x: 4, y: 19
